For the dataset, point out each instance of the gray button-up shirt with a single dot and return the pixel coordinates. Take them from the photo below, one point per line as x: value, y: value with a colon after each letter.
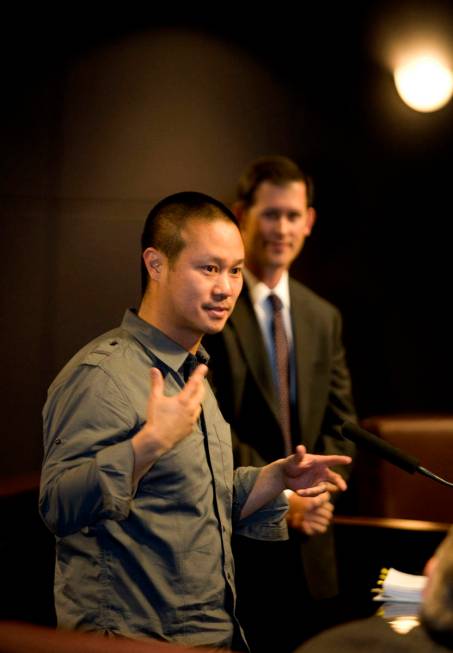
x: 153, y: 558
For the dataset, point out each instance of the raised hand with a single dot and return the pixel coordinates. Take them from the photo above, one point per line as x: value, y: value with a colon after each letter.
x: 307, y: 474
x: 168, y: 420
x: 310, y: 474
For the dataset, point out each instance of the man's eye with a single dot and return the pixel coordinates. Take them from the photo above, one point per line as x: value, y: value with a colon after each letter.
x: 270, y: 215
x: 210, y: 268
x: 236, y: 271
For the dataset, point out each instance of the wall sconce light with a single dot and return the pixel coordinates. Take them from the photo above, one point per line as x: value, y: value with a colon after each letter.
x: 424, y: 82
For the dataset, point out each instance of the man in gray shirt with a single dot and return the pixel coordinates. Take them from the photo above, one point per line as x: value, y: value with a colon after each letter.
x: 138, y: 484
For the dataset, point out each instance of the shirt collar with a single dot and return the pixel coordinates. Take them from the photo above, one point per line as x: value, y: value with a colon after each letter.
x: 152, y: 338
x: 259, y: 291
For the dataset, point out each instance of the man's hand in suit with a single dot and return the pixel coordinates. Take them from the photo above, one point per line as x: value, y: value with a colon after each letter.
x: 309, y: 515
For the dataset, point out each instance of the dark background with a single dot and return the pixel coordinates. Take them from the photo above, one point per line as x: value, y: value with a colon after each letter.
x: 105, y: 110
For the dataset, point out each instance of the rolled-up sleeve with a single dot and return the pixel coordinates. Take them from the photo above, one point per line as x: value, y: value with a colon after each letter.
x: 88, y: 458
x: 267, y: 523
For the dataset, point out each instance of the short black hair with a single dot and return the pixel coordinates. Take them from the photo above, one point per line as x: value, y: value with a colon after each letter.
x: 168, y: 218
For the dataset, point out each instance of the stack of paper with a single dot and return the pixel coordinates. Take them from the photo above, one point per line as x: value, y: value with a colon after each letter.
x: 398, y: 586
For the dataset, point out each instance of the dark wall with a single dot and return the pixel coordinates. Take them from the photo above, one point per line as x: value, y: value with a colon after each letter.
x: 103, y: 116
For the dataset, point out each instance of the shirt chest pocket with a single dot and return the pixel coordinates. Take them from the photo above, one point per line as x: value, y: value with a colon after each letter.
x: 178, y: 472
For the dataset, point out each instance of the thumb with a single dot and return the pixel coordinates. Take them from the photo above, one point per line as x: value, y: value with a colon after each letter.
x: 300, y: 453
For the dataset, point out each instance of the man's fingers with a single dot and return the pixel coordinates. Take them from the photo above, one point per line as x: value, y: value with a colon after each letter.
x: 190, y: 396
x: 336, y: 481
x: 318, y: 501
x: 312, y: 491
x: 320, y: 520
x: 317, y: 528
x: 157, y: 383
x: 331, y: 487
x: 194, y: 386
x: 323, y: 515
x: 334, y: 459
x: 318, y: 465
x: 198, y: 374
x: 330, y: 482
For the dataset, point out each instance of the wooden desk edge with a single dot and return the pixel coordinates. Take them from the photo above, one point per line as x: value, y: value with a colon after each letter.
x: 386, y: 522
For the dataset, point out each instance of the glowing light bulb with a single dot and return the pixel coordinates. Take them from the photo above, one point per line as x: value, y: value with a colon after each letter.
x: 424, y: 83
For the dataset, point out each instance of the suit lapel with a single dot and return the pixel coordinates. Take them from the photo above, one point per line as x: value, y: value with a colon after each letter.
x: 249, y: 336
x: 304, y: 342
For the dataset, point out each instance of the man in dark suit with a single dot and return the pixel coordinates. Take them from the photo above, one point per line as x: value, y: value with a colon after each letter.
x: 275, y: 400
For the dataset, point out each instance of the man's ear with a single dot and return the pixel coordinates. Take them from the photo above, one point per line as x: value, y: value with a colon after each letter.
x: 153, y: 260
x: 311, y: 219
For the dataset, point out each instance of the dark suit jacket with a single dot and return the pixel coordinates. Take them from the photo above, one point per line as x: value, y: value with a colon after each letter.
x: 242, y: 380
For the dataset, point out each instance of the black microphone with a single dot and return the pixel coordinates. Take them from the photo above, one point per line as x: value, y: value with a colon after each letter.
x: 387, y: 451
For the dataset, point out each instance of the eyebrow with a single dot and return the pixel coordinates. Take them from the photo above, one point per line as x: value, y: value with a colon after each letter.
x: 218, y: 260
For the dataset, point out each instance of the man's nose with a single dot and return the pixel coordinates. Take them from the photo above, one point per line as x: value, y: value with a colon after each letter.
x: 223, y: 285
x: 281, y: 225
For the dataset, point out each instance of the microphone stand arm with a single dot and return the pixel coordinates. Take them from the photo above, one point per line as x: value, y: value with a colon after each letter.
x: 435, y: 477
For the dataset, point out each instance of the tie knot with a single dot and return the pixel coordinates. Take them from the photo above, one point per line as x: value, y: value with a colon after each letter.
x: 275, y: 302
